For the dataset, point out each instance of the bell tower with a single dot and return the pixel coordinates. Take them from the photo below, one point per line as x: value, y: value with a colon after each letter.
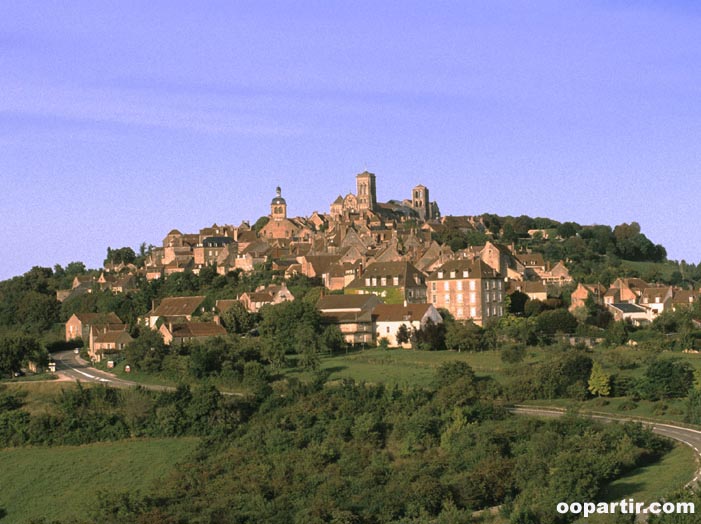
x: 420, y: 202
x: 366, y: 191
x: 278, y: 207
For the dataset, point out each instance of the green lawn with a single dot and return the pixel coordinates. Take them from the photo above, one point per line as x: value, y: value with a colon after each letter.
x: 62, y: 482
x: 650, y: 483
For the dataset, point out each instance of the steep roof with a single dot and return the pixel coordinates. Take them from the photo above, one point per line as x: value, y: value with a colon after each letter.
x: 475, y: 269
x: 406, y: 272
x: 399, y: 312
x: 99, y: 318
x: 177, y: 306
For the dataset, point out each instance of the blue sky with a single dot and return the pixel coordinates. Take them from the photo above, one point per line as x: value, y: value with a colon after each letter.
x: 122, y: 120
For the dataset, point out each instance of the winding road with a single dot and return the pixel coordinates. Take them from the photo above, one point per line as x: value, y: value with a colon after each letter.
x: 690, y: 437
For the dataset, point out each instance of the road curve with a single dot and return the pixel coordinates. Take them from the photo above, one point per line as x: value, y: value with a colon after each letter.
x: 690, y: 437
x: 70, y: 365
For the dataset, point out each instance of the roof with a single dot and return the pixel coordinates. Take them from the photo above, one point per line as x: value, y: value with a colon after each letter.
x: 113, y: 337
x: 177, y: 306
x: 99, y: 318
x: 475, y: 269
x: 528, y: 286
x: 198, y: 329
x: 399, y: 312
x: 339, y: 200
x: 225, y: 304
x: 346, y: 302
x: 625, y: 307
x: 406, y: 272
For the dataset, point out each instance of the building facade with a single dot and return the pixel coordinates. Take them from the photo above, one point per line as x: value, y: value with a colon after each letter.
x: 468, y: 289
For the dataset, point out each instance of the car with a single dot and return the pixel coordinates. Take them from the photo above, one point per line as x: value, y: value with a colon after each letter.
x: 76, y: 351
x: 19, y: 373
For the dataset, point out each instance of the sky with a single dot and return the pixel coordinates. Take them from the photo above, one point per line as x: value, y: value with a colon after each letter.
x: 120, y: 121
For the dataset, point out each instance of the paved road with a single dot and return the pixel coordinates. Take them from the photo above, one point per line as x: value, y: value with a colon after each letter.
x: 690, y: 437
x: 70, y: 365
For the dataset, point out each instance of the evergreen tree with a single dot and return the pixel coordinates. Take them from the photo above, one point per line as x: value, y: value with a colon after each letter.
x: 599, y: 381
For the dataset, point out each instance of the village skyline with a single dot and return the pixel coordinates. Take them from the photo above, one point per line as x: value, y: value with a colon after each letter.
x: 119, y: 124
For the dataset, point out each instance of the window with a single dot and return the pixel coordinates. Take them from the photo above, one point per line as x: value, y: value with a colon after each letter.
x: 472, y: 285
x: 440, y: 274
x: 446, y: 286
x: 433, y: 286
x: 473, y: 298
x: 460, y: 312
x: 465, y: 274
x: 395, y: 281
x: 367, y: 282
x: 452, y: 274
x: 387, y: 329
x: 447, y: 298
x: 459, y: 298
x: 374, y: 281
x: 434, y: 299
x: 473, y: 312
x: 459, y: 285
x: 383, y: 281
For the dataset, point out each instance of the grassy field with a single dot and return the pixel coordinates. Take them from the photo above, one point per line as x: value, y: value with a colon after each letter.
x: 38, y: 397
x: 646, y: 269
x: 409, y: 367
x: 650, y: 483
x: 62, y: 482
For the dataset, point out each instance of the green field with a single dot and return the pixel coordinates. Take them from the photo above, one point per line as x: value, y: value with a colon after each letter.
x: 62, y: 482
x: 410, y: 367
x: 650, y: 483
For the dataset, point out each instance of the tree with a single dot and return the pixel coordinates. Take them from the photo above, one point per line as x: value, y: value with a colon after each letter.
x: 666, y: 379
x: 123, y: 255
x: 16, y: 350
x: 403, y: 334
x: 465, y: 336
x: 147, y: 351
x: 237, y: 319
x: 599, y: 381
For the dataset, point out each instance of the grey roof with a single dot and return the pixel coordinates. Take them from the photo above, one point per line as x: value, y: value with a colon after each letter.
x: 625, y: 307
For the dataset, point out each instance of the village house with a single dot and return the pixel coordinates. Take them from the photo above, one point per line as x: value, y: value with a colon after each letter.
x: 468, y: 289
x: 633, y: 313
x: 107, y: 341
x: 579, y: 296
x: 395, y: 282
x: 173, y: 309
x: 266, y: 296
x: 78, y: 325
x: 657, y: 299
x: 181, y: 333
x: 389, y: 317
x: 534, y: 289
x: 352, y: 314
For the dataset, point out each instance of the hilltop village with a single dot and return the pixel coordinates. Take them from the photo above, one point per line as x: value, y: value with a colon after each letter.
x: 380, y: 266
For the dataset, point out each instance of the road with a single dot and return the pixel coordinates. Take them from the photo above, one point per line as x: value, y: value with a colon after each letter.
x: 70, y: 365
x: 690, y: 437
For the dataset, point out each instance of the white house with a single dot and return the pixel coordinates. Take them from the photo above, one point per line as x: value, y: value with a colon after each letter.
x: 389, y: 317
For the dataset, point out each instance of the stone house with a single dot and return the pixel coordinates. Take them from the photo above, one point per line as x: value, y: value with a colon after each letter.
x: 389, y: 317
x: 468, y: 289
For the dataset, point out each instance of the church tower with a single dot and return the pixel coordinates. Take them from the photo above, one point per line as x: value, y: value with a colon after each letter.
x: 366, y: 191
x: 420, y: 202
x: 278, y: 207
